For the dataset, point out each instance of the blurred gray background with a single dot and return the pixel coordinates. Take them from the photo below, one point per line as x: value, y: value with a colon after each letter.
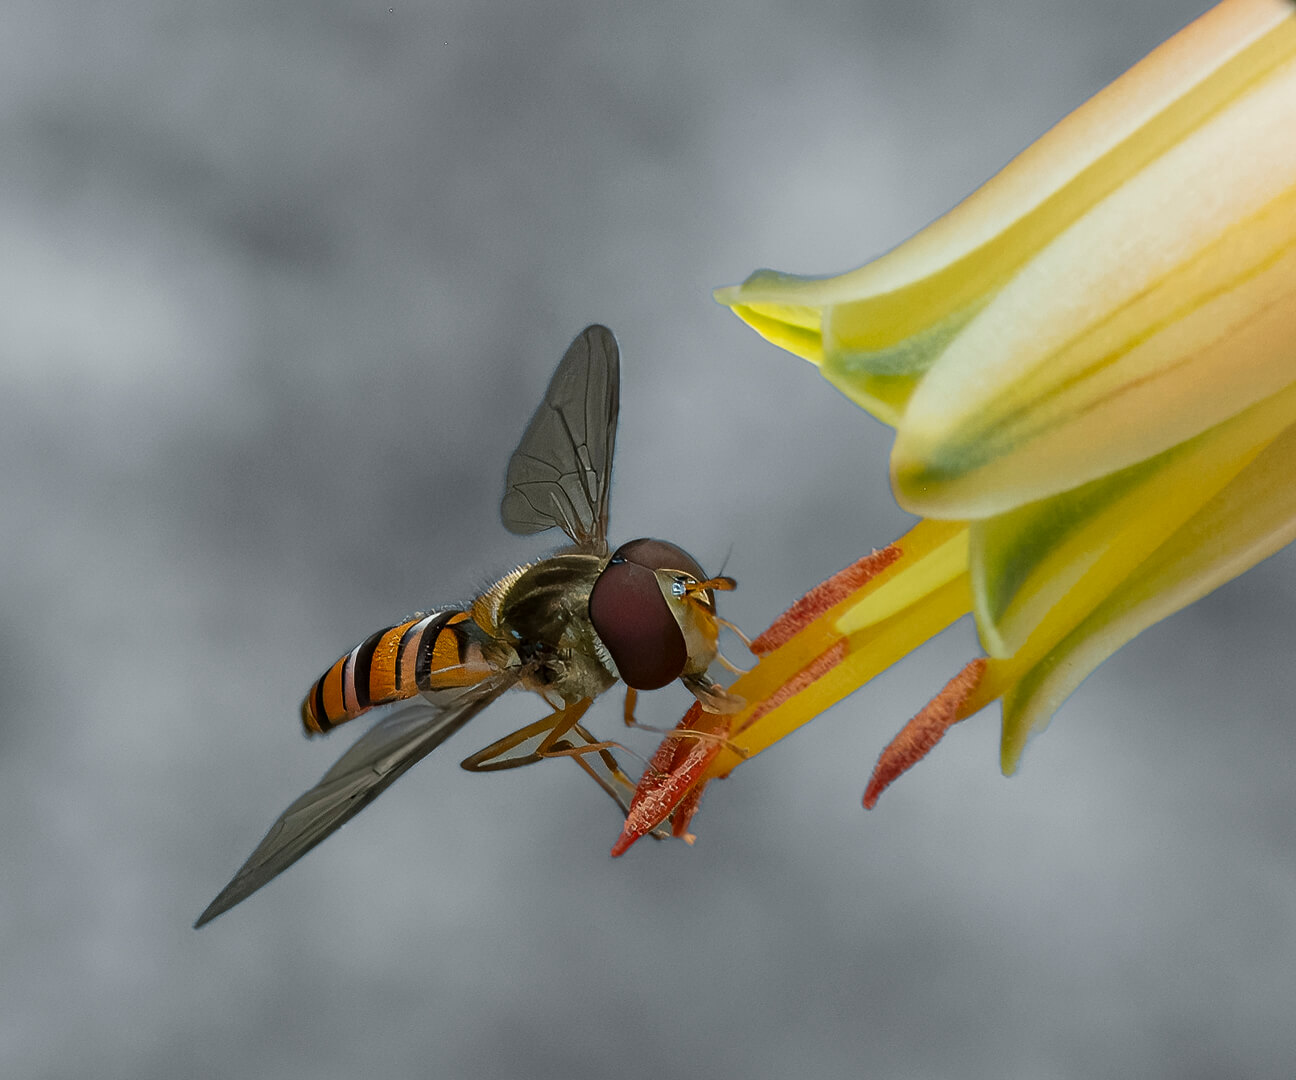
x: 282, y: 285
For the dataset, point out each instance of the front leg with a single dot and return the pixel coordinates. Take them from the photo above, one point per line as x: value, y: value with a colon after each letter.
x: 561, y: 734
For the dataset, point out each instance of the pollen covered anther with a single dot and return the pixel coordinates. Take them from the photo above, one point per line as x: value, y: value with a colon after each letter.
x: 664, y: 787
x: 917, y: 738
x: 823, y: 596
x: 803, y: 678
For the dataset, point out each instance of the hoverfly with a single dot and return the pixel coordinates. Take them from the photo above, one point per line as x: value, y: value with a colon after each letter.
x: 566, y: 627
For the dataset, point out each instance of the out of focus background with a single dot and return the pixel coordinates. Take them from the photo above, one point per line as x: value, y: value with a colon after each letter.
x: 281, y: 287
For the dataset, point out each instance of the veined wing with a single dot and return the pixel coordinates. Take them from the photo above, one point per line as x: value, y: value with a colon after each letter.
x: 561, y: 471
x: 363, y: 773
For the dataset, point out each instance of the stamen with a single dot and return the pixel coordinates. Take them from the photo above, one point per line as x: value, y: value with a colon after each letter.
x: 676, y: 765
x: 821, y: 665
x: 924, y: 731
x: 684, y: 811
x: 822, y: 597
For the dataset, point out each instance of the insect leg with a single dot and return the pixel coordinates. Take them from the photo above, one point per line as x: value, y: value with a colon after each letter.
x: 632, y: 696
x: 553, y: 728
x: 555, y: 745
x: 557, y: 733
x: 549, y: 729
x: 614, y: 781
x: 683, y: 734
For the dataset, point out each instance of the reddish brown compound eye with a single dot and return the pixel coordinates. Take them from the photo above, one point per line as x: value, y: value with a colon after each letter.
x: 631, y: 615
x: 660, y: 555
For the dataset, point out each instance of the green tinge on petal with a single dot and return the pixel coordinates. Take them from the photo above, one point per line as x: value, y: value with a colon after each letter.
x: 794, y: 313
x: 770, y: 303
x: 877, y: 329
x: 1252, y: 517
x: 887, y: 376
x: 1074, y: 548
x: 1167, y: 307
x: 774, y: 305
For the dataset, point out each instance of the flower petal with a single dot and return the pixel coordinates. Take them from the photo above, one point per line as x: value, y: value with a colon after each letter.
x: 1167, y: 307
x: 876, y: 330
x: 1056, y: 559
x: 1247, y: 521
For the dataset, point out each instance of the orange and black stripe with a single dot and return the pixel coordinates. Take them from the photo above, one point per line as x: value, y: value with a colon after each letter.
x: 431, y: 652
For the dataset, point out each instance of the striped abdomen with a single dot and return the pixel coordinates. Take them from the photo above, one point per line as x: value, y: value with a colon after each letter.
x: 432, y: 652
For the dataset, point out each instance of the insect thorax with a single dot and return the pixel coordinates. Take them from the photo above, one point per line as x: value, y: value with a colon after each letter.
x: 542, y: 611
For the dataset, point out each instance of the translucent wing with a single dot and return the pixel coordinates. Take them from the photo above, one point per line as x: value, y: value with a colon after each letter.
x: 365, y: 771
x: 560, y: 472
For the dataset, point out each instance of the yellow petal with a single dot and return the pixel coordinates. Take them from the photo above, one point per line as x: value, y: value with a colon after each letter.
x: 1247, y: 521
x: 1091, y: 366
x: 876, y: 329
x: 1167, y: 307
x: 1060, y: 557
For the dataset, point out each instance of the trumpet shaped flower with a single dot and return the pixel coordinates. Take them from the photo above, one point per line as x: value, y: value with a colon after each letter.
x: 1090, y: 365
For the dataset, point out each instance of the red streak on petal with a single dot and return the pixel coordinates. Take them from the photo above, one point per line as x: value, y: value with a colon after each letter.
x: 923, y: 732
x: 822, y: 597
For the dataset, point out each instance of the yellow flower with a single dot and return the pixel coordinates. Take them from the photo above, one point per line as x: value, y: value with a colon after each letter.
x: 1090, y: 365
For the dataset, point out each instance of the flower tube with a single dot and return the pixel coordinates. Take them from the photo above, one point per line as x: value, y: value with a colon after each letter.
x: 1090, y: 365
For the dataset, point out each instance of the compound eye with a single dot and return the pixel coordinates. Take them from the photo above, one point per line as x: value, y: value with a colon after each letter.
x: 660, y: 555
x: 631, y: 616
